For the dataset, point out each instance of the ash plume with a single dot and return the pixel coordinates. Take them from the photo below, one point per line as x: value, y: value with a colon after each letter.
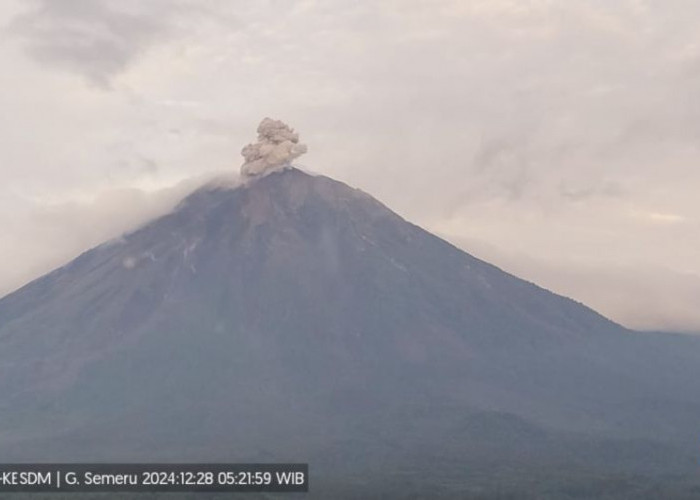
x: 277, y: 146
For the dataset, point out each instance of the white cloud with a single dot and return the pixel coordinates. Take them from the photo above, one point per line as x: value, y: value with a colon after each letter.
x: 665, y: 218
x: 566, y: 130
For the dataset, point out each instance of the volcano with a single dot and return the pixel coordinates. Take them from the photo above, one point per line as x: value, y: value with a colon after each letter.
x: 293, y: 318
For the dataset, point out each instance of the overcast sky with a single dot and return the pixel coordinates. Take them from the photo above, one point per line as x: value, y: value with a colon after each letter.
x: 559, y: 140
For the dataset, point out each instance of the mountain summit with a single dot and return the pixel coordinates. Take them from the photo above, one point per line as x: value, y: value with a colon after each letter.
x: 295, y: 318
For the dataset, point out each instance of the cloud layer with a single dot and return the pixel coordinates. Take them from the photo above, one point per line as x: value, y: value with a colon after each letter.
x: 97, y: 39
x: 564, y: 132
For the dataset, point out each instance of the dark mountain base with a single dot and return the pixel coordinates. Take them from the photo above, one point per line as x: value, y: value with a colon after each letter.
x: 506, y: 483
x: 479, y: 456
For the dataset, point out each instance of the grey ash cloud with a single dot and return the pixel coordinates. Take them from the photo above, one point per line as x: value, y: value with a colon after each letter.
x: 277, y: 145
x: 97, y: 39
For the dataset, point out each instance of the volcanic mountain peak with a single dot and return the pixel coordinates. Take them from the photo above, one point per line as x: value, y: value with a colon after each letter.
x: 291, y: 301
x: 288, y: 317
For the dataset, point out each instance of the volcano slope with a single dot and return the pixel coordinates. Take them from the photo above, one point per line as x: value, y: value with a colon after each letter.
x: 293, y: 318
